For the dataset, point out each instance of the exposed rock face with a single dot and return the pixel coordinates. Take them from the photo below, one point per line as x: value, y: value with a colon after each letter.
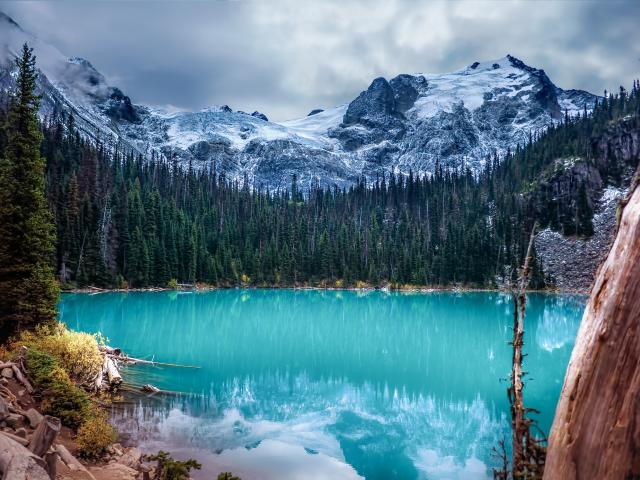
x: 260, y: 115
x: 596, y: 430
x: 573, y: 260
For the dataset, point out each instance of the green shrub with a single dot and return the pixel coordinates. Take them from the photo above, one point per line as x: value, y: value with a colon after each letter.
x: 170, y: 469
x: 63, y: 398
x: 94, y: 436
x: 227, y: 476
x: 121, y: 283
x: 173, y: 284
x: 40, y: 365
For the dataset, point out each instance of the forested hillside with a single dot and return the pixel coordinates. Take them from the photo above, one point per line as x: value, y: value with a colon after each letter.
x: 124, y: 220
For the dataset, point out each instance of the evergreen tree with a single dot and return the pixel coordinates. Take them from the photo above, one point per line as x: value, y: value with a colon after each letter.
x: 28, y: 289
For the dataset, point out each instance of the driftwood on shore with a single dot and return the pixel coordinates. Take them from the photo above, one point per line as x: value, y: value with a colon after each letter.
x: 133, y: 361
x: 110, y: 378
x: 109, y: 375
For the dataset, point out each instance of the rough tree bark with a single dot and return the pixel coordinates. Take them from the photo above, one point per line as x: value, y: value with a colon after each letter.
x: 44, y: 435
x: 596, y: 430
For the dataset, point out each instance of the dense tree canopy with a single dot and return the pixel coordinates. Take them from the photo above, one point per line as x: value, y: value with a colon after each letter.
x: 28, y: 290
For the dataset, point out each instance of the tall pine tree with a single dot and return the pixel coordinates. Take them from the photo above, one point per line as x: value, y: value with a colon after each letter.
x: 28, y: 289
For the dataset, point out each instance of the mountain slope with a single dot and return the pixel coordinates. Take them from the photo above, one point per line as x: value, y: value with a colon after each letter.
x: 408, y: 123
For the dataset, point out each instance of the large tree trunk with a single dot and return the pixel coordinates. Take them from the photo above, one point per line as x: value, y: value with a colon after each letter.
x: 44, y: 435
x: 596, y: 430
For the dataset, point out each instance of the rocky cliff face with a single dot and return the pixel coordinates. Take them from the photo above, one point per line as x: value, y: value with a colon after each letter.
x: 408, y: 123
x: 596, y: 430
x: 568, y: 255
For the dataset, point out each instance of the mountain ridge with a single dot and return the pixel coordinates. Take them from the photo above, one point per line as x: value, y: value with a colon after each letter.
x: 406, y: 124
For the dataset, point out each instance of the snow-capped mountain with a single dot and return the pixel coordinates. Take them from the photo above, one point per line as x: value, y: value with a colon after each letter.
x: 407, y: 123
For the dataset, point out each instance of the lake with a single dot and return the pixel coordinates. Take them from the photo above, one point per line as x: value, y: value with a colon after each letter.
x: 330, y: 384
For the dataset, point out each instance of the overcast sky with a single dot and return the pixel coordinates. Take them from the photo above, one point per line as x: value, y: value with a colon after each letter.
x: 287, y: 57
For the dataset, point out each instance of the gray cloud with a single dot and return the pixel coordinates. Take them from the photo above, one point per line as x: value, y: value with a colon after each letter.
x: 286, y: 57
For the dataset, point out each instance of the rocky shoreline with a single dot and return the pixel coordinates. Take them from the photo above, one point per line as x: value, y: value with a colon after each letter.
x: 20, y: 418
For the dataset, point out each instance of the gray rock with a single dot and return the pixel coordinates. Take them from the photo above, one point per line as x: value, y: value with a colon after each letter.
x: 406, y: 89
x: 34, y: 417
x: 260, y: 115
x: 7, y: 372
x: 21, y: 432
x: 14, y: 420
x: 118, y: 450
x: 131, y: 458
x: 22, y: 441
x: 377, y: 102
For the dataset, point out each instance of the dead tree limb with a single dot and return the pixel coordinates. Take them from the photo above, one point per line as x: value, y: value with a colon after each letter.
x: 528, y: 452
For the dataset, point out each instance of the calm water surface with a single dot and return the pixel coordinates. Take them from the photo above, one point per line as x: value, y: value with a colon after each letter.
x: 331, y: 384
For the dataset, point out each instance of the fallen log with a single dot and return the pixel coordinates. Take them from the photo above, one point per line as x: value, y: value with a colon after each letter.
x: 72, y: 462
x: 44, y: 435
x: 21, y: 378
x: 113, y: 374
x: 18, y: 374
x: 132, y: 360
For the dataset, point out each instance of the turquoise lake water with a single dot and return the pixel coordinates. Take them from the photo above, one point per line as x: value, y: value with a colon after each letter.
x: 331, y: 384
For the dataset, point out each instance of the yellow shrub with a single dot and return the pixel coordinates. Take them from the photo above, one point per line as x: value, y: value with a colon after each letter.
x: 77, y: 352
x: 94, y: 436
